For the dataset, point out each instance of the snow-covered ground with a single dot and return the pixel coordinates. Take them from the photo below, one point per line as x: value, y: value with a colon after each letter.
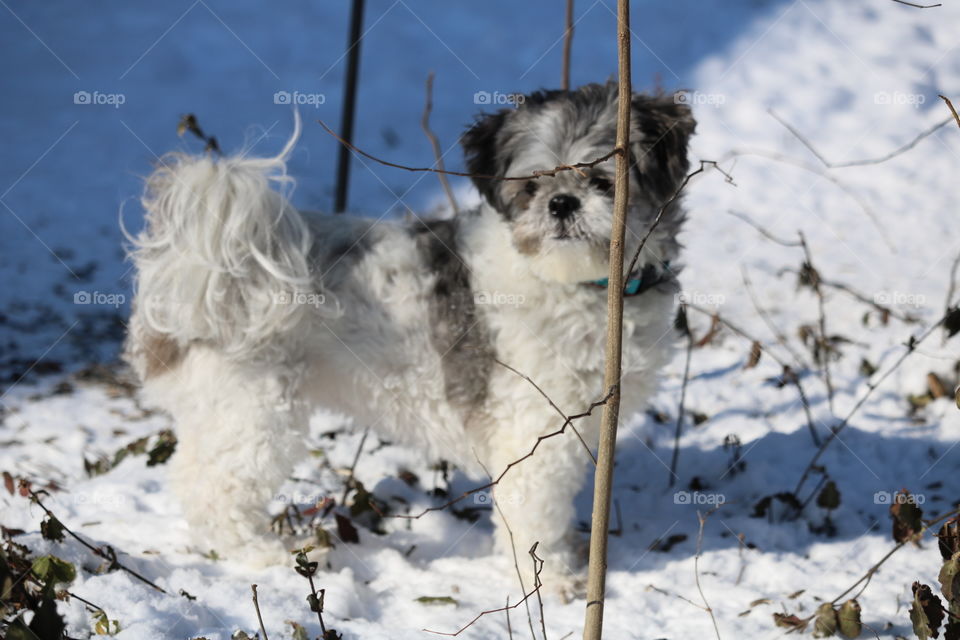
x: 858, y: 79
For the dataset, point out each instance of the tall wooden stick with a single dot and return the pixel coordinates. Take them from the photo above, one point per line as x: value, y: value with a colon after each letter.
x: 349, y: 105
x: 597, y: 575
x: 567, y: 45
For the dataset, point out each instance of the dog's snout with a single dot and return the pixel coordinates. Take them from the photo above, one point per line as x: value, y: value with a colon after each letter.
x: 563, y: 205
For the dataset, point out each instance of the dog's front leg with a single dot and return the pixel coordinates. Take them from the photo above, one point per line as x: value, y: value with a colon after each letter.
x: 534, y: 503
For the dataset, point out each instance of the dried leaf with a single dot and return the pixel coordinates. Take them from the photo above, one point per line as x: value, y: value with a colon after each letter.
x: 936, y: 386
x: 948, y: 537
x: 829, y: 497
x: 849, y: 619
x: 789, y: 621
x: 299, y: 632
x: 926, y: 613
x: 345, y: 529
x: 52, y: 529
x: 756, y: 351
x: 951, y: 323
x: 950, y: 580
x: 437, y: 600
x: 826, y: 623
x: 8, y: 482
x: 907, y: 516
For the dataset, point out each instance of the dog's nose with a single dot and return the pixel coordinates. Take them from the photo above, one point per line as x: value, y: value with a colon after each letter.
x: 563, y: 205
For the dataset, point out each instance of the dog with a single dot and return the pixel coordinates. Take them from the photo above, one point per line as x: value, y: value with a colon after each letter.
x: 249, y: 314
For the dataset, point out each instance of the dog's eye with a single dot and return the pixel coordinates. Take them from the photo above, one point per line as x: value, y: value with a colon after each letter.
x: 601, y: 184
x: 530, y: 188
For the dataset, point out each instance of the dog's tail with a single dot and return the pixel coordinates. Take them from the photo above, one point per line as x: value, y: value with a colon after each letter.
x: 221, y: 259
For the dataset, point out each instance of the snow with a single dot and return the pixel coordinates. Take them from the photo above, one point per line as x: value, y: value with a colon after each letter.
x: 858, y: 79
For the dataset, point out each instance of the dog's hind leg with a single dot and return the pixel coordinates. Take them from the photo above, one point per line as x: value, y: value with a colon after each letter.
x: 240, y: 430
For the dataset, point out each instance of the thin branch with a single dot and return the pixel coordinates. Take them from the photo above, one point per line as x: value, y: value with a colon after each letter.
x: 569, y: 421
x: 613, y: 352
x: 704, y: 165
x: 435, y: 144
x: 536, y: 175
x: 536, y: 589
x: 814, y: 276
x: 868, y: 161
x: 682, y: 407
x: 918, y: 6
x: 823, y: 173
x: 537, y: 568
x: 256, y: 605
x: 950, y: 105
x: 702, y: 518
x: 567, y: 46
x: 764, y: 232
x: 349, y: 105
x: 789, y: 375
x: 106, y: 552
x: 353, y: 466
x: 552, y: 404
x: 911, y: 345
x: 906, y: 318
x: 774, y: 329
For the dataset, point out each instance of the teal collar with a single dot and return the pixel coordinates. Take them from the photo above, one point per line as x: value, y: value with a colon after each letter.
x: 638, y: 281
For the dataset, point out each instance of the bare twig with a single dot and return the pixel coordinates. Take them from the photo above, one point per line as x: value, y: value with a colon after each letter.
x: 106, y: 552
x: 789, y: 375
x: 868, y: 161
x: 911, y: 345
x: 824, y: 340
x: 496, y: 481
x: 681, y: 410
x: 567, y: 46
x: 537, y: 568
x: 533, y: 176
x: 704, y: 165
x: 189, y: 123
x: 506, y: 610
x: 536, y: 589
x: 823, y: 173
x: 918, y: 6
x: 552, y: 404
x: 513, y: 551
x: 906, y: 318
x: 256, y: 605
x: 435, y: 144
x: 764, y: 232
x: 774, y: 329
x: 950, y: 106
x: 603, y: 478
x: 353, y: 466
x: 702, y: 518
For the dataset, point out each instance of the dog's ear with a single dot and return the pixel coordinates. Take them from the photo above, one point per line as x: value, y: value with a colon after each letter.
x: 480, y: 148
x: 662, y: 126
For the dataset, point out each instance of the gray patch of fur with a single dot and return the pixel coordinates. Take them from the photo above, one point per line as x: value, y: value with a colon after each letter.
x: 458, y: 332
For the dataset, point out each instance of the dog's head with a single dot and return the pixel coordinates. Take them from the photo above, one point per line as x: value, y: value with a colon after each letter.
x: 562, y: 223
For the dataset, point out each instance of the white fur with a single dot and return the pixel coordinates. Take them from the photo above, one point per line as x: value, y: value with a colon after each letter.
x: 221, y: 245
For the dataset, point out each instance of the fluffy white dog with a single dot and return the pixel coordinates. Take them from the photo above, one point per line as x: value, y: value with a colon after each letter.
x: 249, y: 314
